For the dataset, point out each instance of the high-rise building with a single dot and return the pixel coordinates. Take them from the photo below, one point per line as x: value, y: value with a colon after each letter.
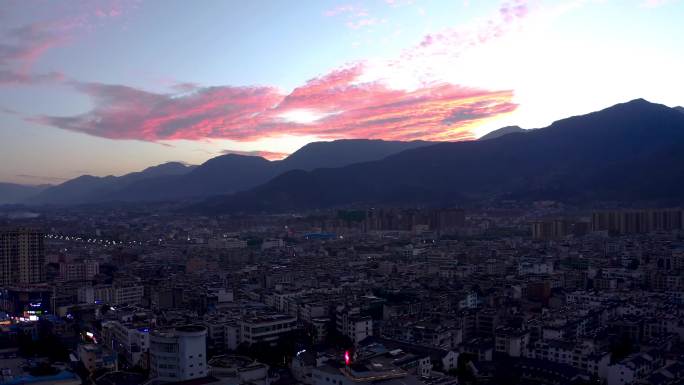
x: 179, y: 354
x: 78, y: 270
x: 638, y: 221
x: 22, y: 256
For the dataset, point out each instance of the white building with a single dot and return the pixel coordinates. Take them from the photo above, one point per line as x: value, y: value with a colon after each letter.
x: 111, y: 294
x: 128, y: 340
x: 352, y: 324
x: 179, y: 354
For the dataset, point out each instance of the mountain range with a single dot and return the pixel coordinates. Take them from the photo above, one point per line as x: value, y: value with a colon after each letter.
x: 223, y: 174
x: 12, y: 193
x: 632, y: 151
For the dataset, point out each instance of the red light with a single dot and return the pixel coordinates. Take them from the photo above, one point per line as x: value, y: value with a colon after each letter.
x: 347, y: 359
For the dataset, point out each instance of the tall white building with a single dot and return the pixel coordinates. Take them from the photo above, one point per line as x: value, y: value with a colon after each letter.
x: 179, y: 354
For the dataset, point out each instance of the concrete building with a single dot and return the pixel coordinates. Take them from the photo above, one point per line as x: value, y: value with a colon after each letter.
x: 112, y: 294
x: 266, y: 328
x: 96, y: 357
x: 178, y: 354
x: 236, y: 370
x: 79, y: 270
x: 22, y: 256
x: 352, y: 324
x: 637, y: 221
x: 130, y: 341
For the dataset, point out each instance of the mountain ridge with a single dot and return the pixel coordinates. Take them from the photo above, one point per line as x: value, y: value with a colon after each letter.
x: 501, y: 132
x: 219, y: 175
x: 572, y: 160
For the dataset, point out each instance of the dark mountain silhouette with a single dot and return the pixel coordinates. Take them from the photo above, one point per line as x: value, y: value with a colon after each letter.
x: 501, y: 132
x: 220, y: 175
x: 342, y: 152
x: 629, y: 152
x: 11, y: 193
x: 231, y: 173
x: 680, y: 109
x: 88, y: 188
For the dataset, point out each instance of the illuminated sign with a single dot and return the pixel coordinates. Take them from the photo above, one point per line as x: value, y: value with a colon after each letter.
x: 347, y: 358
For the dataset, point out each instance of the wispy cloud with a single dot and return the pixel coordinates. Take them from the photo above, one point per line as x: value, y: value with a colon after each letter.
x: 346, y: 9
x: 22, y: 45
x: 264, y: 154
x: 336, y: 106
x: 357, y: 17
x: 40, y: 178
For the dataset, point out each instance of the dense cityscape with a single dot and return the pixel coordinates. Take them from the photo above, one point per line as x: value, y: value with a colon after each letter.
x: 388, y: 295
x: 342, y: 192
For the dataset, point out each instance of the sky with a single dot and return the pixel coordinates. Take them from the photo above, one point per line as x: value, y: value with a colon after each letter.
x: 113, y: 86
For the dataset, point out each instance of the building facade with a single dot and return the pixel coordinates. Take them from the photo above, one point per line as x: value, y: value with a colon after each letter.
x: 22, y: 257
x: 179, y: 354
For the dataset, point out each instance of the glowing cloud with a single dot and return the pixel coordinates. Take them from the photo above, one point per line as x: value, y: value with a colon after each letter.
x: 330, y: 107
x: 264, y: 154
x: 302, y: 116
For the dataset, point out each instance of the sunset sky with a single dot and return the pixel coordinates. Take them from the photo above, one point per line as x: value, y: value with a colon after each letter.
x: 110, y: 87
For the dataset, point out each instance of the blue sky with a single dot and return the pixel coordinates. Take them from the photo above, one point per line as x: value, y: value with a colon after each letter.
x: 109, y: 87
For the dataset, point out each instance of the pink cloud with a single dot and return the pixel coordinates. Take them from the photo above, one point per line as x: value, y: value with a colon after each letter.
x: 127, y: 113
x: 21, y: 46
x: 513, y: 10
x: 335, y: 104
x: 357, y: 17
x: 453, y: 40
x: 26, y: 43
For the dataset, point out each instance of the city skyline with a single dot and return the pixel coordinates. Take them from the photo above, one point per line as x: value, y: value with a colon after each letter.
x: 112, y: 87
